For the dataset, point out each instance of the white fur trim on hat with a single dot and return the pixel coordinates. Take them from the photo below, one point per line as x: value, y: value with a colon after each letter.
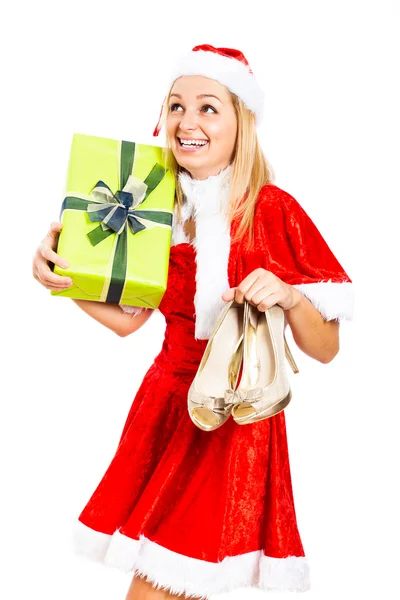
x: 230, y: 72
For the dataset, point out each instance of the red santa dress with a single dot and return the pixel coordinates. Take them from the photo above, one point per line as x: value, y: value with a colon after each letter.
x: 201, y: 513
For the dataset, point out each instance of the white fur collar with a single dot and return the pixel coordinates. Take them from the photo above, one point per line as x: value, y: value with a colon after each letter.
x: 207, y: 200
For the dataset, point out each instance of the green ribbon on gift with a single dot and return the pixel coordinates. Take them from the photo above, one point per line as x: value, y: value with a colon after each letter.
x: 118, y: 213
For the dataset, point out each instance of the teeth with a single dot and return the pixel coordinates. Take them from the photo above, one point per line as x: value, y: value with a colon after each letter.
x: 193, y: 143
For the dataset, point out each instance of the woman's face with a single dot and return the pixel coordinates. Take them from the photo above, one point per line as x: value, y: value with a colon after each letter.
x: 201, y: 110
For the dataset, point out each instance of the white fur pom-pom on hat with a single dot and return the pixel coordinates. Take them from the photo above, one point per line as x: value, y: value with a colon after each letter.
x: 227, y: 66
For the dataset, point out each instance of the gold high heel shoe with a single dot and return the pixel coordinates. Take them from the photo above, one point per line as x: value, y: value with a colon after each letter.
x: 218, y: 370
x: 264, y: 389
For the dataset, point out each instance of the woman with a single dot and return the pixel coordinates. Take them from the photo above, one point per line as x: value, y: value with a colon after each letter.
x: 195, y: 513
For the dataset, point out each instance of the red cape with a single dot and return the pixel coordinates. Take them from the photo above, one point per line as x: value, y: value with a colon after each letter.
x: 289, y: 244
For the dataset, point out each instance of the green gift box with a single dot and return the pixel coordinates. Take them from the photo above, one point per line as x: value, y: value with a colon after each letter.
x: 117, y: 221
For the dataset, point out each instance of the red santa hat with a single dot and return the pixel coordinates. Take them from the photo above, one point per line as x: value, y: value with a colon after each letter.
x: 227, y: 66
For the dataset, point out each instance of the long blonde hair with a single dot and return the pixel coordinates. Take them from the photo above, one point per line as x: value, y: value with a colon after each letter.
x: 250, y: 170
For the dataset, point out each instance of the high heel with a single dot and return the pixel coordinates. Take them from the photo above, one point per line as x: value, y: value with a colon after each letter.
x: 218, y: 370
x: 264, y: 388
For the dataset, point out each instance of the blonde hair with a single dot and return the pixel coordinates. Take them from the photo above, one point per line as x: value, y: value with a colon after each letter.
x: 250, y: 170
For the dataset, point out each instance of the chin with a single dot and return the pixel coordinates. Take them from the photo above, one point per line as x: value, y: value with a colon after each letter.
x: 190, y: 165
x: 191, y: 159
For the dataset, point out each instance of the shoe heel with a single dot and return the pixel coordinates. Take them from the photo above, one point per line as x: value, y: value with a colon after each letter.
x: 289, y: 356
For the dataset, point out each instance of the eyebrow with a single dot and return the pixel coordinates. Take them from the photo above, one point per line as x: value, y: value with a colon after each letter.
x: 200, y: 96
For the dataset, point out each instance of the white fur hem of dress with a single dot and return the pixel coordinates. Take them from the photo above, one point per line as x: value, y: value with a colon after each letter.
x: 180, y: 574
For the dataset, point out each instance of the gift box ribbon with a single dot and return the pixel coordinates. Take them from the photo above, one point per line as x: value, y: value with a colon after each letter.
x: 118, y: 213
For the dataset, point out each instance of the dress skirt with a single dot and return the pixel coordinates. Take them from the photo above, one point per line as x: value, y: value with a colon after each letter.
x: 196, y: 513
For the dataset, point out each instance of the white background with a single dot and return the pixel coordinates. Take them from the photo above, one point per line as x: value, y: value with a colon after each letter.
x: 331, y: 132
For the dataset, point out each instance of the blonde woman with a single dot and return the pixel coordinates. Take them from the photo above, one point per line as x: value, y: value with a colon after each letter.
x: 194, y: 513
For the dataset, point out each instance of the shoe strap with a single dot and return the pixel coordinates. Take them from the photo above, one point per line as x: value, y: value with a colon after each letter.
x: 289, y: 356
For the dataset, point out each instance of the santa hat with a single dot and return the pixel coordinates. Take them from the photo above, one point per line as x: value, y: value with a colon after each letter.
x: 227, y: 66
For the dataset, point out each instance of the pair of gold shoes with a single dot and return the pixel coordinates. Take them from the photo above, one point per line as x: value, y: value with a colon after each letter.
x: 255, y: 341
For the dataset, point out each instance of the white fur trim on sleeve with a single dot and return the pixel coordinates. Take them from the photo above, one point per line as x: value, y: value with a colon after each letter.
x: 333, y: 300
x: 134, y: 310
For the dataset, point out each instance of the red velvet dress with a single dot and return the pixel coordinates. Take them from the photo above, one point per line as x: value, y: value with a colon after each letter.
x: 196, y: 512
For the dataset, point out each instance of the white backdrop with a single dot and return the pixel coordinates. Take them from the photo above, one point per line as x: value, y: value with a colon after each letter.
x: 331, y: 132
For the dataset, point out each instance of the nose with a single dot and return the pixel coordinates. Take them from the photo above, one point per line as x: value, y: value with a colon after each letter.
x: 189, y: 121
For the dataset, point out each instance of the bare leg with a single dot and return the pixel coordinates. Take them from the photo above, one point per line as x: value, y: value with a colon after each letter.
x: 141, y: 589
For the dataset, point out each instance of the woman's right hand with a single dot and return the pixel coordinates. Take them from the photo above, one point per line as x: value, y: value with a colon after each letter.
x: 46, y: 252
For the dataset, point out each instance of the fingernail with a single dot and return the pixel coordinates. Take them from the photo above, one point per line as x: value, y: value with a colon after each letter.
x: 64, y: 265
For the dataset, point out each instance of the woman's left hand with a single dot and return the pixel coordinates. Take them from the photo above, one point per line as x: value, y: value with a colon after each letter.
x: 263, y: 289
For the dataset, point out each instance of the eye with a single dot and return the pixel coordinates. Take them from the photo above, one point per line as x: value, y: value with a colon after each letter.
x: 173, y: 108
x: 208, y: 106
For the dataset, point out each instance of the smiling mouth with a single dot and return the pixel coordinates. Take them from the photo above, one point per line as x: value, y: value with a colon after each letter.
x: 192, y: 145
